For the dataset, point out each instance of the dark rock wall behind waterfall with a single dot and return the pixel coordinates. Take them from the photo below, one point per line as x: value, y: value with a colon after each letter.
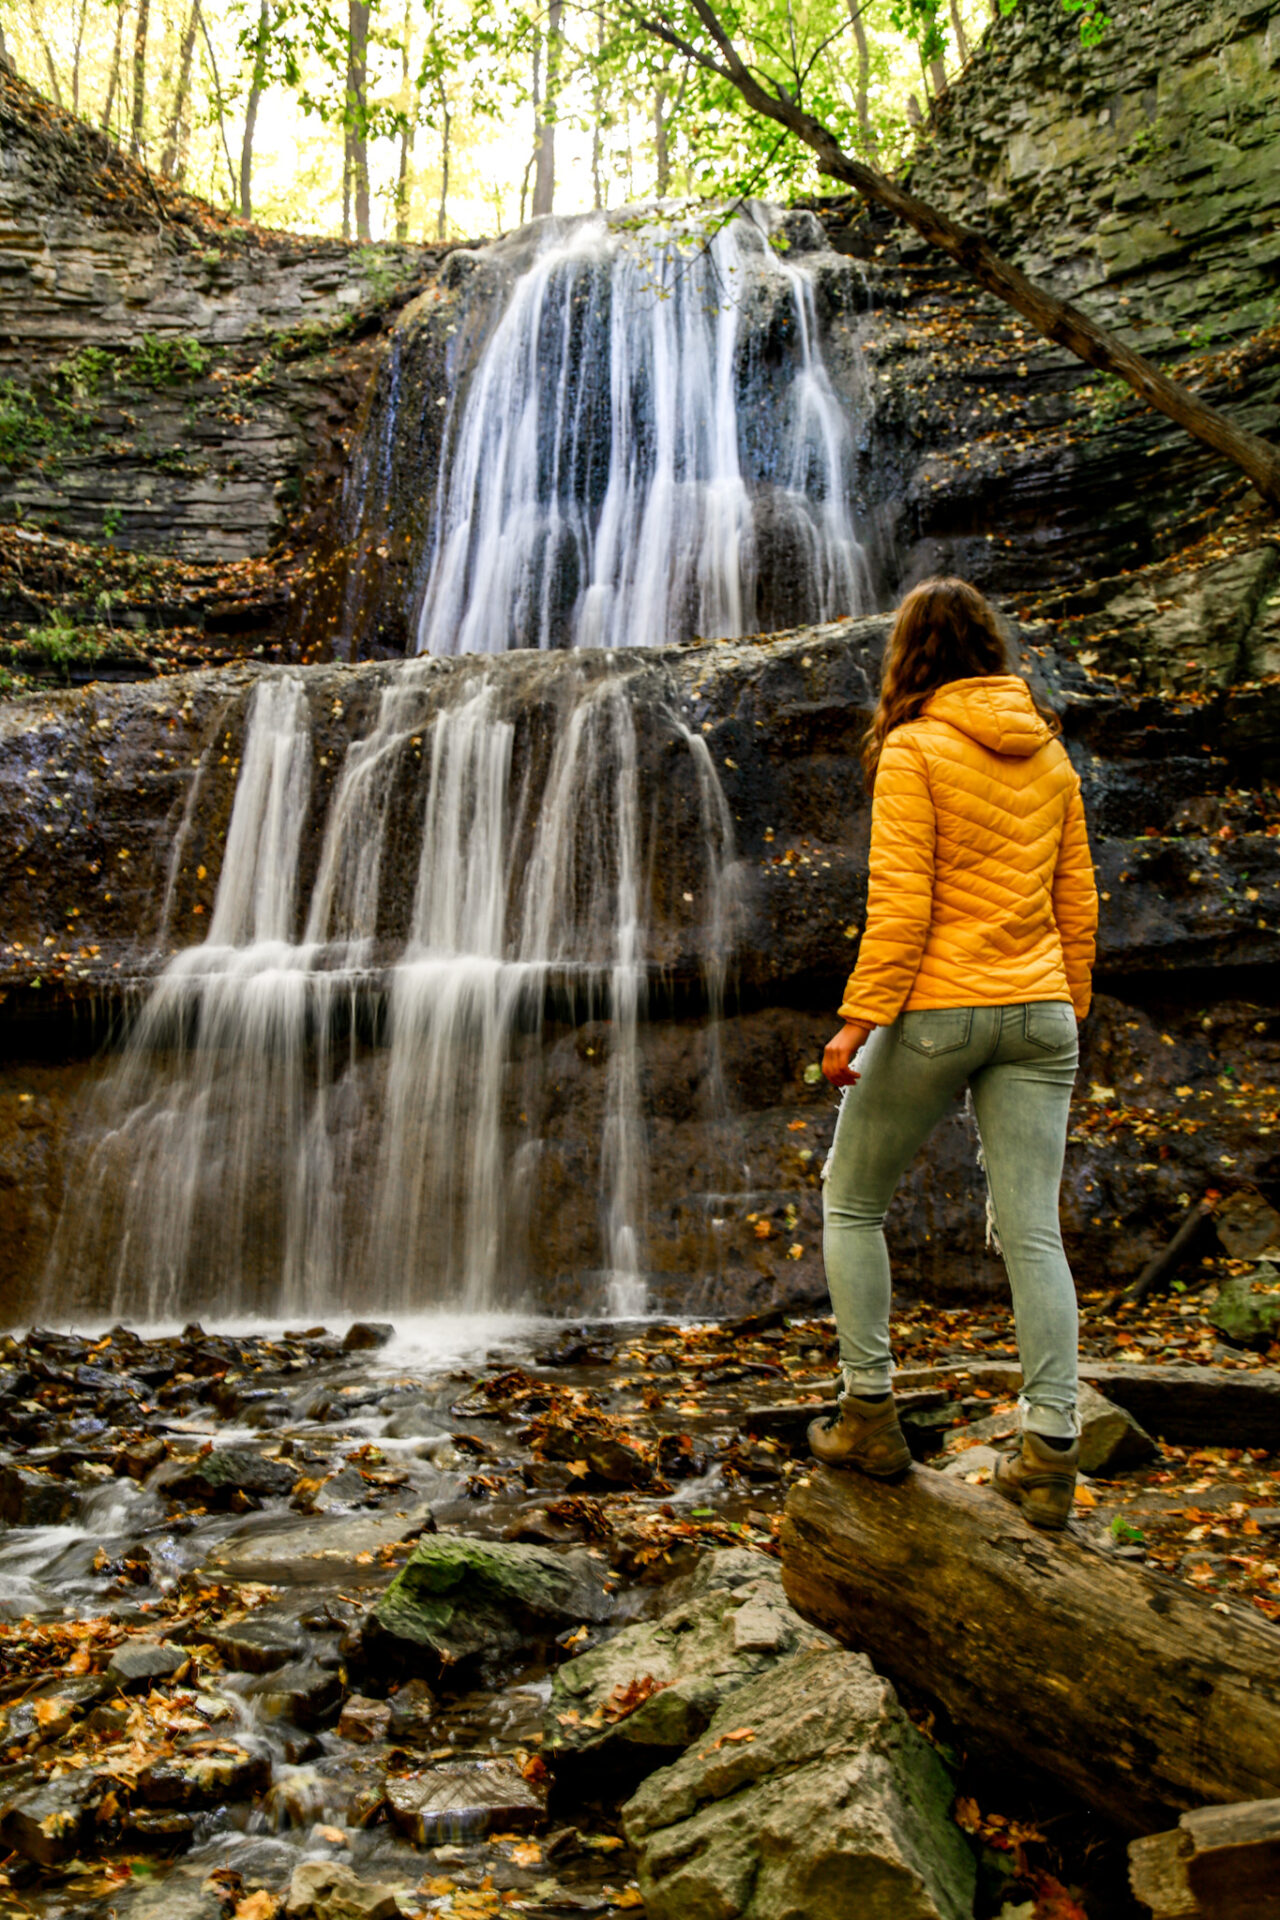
x: 1185, y: 832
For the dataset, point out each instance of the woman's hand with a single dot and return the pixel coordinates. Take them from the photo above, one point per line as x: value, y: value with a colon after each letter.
x: 840, y: 1051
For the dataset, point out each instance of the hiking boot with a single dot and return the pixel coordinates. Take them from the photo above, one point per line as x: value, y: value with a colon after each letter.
x: 864, y: 1434
x: 1041, y: 1479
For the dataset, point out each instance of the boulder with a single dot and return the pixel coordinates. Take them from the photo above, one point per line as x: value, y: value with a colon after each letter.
x: 139, y: 1662
x: 636, y: 1702
x: 810, y: 1794
x: 1111, y: 1440
x: 45, y: 1824
x: 1247, y: 1310
x: 32, y: 1499
x: 411, y: 1708
x: 303, y: 1693
x: 363, y: 1336
x: 225, y: 1478
x: 364, y: 1721
x: 205, y: 1779
x: 457, y: 1597
x: 325, y: 1549
x: 266, y: 1640
x: 326, y: 1890
x: 454, y: 1804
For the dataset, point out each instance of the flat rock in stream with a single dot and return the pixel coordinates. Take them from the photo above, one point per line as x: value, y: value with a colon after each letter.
x: 460, y: 1803
x: 318, y: 1549
x: 327, y: 1890
x: 637, y: 1702
x: 810, y: 1794
x: 224, y: 1478
x: 457, y: 1597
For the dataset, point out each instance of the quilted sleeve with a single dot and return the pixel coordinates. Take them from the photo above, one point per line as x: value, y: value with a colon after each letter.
x: 1075, y: 904
x: 900, y: 890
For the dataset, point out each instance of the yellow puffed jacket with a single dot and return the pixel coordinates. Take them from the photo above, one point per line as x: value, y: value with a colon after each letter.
x: 982, y: 891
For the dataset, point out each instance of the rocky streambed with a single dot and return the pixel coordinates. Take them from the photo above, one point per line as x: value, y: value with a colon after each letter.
x: 477, y: 1618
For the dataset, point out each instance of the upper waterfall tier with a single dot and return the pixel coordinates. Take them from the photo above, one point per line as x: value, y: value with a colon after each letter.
x: 640, y: 442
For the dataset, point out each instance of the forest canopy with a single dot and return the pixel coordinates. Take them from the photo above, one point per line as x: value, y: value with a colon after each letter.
x: 438, y: 119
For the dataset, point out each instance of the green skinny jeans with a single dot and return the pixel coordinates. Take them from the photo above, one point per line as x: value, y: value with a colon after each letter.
x: 1019, y: 1063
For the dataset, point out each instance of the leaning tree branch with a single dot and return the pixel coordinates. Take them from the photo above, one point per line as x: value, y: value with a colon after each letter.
x: 1055, y: 319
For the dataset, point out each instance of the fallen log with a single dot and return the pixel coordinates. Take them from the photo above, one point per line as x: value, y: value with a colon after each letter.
x: 1126, y: 1687
x: 1162, y: 1266
x: 1219, y: 1863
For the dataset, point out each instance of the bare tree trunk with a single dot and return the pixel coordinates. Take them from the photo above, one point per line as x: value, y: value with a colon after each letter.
x: 251, y: 110
x: 597, y: 118
x: 47, y: 51
x: 862, y: 94
x: 537, y: 121
x: 661, y: 145
x: 914, y: 115
x: 218, y: 99
x: 139, y: 76
x: 1055, y: 319
x: 446, y: 129
x: 75, y: 60
x: 406, y: 131
x: 173, y: 134
x: 938, y: 75
x: 962, y: 38
x: 544, y: 175
x: 357, y: 89
x: 113, y: 79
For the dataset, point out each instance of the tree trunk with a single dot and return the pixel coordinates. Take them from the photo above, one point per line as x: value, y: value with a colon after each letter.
x: 357, y: 87
x: 113, y: 79
x: 1123, y: 1685
x: 75, y: 59
x: 597, y: 117
x: 863, y: 93
x: 1055, y: 319
x: 47, y: 51
x: 938, y: 75
x: 139, y: 77
x: 962, y: 38
x: 661, y: 145
x: 406, y: 131
x: 544, y: 172
x: 1219, y: 1863
x: 218, y: 100
x: 446, y: 127
x: 251, y: 110
x: 173, y: 140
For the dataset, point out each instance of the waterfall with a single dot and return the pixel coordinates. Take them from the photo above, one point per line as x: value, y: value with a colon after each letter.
x: 341, y: 1097
x: 625, y: 467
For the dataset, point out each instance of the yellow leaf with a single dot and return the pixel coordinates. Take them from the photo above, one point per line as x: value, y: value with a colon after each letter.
x: 526, y: 1853
x: 1085, y: 1496
x: 257, y: 1906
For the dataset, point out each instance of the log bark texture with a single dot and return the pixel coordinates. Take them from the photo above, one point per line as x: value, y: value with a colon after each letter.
x: 1127, y: 1688
x: 1219, y: 1863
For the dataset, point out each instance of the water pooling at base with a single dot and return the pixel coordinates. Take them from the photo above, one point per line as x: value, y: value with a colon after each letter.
x: 350, y: 1094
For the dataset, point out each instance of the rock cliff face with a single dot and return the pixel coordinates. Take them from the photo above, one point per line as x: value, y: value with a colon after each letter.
x: 1138, y: 175
x: 1177, y: 1093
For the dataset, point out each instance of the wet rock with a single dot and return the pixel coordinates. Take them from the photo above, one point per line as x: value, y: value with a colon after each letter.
x: 224, y: 1478
x: 363, y: 1720
x: 138, y: 1662
x: 809, y: 1793
x: 47, y: 1711
x: 205, y: 1779
x: 1247, y: 1310
x: 32, y: 1499
x: 638, y: 1700
x: 458, y: 1597
x: 170, y: 1830
x: 364, y: 1335
x: 327, y: 1890
x: 304, y: 1693
x: 324, y: 1549
x: 260, y: 1644
x: 974, y: 1460
x: 45, y: 1824
x: 1111, y: 1440
x: 463, y: 1802
x: 411, y: 1707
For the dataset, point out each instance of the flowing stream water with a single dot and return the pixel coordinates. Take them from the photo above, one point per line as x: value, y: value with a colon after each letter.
x: 348, y: 1093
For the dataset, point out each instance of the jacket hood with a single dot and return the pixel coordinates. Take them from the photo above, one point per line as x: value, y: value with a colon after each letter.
x: 996, y: 710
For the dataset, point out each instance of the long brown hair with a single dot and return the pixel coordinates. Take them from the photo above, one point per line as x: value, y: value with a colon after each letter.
x: 944, y: 630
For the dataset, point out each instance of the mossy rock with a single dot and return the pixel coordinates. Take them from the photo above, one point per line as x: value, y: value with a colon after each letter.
x: 1247, y: 1310
x: 458, y: 1598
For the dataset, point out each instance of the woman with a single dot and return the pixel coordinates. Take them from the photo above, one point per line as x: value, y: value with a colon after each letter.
x: 973, y: 970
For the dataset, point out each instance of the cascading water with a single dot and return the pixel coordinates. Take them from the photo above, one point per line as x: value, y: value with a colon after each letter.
x: 642, y: 442
x: 360, y: 1088
x: 255, y: 1151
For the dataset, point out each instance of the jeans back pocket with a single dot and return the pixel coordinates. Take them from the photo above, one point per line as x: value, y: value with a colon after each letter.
x: 1050, y: 1024
x: 936, y: 1030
